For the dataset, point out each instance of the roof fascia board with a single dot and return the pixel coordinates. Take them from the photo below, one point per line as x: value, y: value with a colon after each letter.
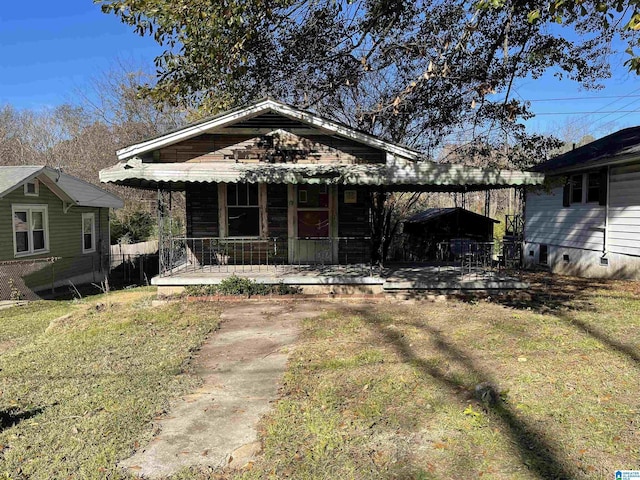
x: 51, y: 173
x: 193, y: 131
x: 255, y: 110
x: 332, y: 127
x: 53, y: 186
x: 629, y: 158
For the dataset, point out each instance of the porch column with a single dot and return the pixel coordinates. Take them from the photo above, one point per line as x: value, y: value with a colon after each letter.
x: 291, y: 222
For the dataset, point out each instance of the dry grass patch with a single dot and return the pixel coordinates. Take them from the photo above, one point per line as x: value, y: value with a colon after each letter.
x: 81, y: 393
x: 389, y: 391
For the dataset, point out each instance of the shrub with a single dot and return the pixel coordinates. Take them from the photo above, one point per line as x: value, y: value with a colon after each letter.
x: 235, y: 285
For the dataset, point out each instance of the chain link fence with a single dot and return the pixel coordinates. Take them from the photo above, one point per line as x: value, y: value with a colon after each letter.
x: 15, y: 275
x: 33, y: 279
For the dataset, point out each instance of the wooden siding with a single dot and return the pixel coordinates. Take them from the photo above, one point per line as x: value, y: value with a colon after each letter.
x: 65, y: 238
x: 354, y: 221
x: 624, y: 210
x: 287, y: 147
x: 202, y: 210
x: 577, y: 226
x: 277, y: 221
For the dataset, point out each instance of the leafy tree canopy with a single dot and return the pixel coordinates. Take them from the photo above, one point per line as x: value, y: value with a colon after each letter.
x: 410, y: 71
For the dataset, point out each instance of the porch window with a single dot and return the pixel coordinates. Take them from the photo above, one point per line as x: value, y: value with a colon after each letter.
x: 30, y: 229
x: 88, y: 232
x: 243, y: 210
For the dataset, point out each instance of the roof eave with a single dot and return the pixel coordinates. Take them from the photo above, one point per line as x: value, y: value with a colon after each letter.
x: 602, y: 162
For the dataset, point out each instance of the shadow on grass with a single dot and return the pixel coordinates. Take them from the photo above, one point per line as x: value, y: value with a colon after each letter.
x: 534, y: 450
x: 626, y: 350
x: 549, y: 293
x: 559, y: 295
x: 12, y: 416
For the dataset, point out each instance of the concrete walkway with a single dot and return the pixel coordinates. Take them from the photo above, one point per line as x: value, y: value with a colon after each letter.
x: 241, y: 365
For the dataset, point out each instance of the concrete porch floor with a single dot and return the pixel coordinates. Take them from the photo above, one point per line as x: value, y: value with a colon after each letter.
x: 348, y: 278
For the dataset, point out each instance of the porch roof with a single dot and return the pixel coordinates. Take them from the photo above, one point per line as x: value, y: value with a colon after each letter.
x: 423, y: 175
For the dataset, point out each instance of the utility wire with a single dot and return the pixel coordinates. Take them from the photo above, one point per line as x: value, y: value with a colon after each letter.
x: 578, y: 98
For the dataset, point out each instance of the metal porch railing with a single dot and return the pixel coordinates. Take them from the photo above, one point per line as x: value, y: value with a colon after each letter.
x: 239, y: 255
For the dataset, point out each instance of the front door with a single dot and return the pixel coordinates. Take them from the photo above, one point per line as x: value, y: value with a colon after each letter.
x: 314, y: 225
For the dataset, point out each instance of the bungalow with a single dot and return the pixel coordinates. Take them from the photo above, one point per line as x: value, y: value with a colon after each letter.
x: 270, y: 184
x: 587, y: 221
x: 54, y: 229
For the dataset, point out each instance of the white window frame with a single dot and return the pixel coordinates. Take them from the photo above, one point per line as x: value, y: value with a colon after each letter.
x: 92, y: 216
x: 45, y: 224
x: 37, y: 188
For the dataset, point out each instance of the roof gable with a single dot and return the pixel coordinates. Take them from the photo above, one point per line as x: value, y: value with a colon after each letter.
x: 278, y: 115
x: 69, y: 189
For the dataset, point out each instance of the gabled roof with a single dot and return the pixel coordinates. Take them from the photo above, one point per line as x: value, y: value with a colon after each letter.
x: 432, y: 213
x: 239, y: 114
x: 619, y: 147
x: 70, y: 189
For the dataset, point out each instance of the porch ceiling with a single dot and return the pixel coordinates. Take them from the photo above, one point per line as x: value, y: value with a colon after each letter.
x: 419, y: 175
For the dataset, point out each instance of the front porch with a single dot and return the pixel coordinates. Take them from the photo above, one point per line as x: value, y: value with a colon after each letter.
x: 208, y: 261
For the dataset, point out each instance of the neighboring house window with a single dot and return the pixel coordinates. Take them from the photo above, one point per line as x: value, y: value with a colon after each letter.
x: 30, y: 229
x: 243, y: 211
x: 586, y: 188
x: 576, y: 188
x: 31, y: 189
x: 88, y: 232
x: 593, y: 187
x: 543, y: 255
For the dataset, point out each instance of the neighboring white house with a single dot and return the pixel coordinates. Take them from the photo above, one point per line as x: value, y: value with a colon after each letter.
x: 587, y: 222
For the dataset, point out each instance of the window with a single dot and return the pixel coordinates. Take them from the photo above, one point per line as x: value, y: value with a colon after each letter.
x: 30, y: 229
x: 88, y: 232
x: 543, y: 255
x: 31, y: 189
x: 586, y: 188
x: 313, y: 214
x: 576, y: 189
x: 593, y: 187
x: 243, y: 211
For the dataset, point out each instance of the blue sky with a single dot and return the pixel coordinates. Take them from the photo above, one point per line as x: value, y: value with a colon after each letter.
x: 52, y: 49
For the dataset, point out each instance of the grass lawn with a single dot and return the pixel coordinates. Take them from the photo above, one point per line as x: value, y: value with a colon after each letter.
x: 389, y: 391
x: 372, y: 391
x: 81, y: 382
